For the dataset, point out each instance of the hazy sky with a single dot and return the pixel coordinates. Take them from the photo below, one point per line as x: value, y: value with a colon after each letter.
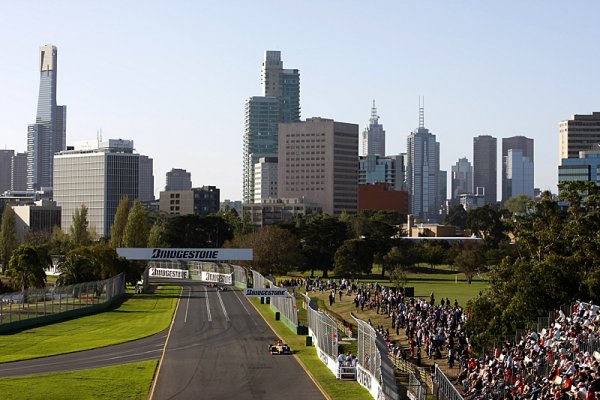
x: 173, y: 75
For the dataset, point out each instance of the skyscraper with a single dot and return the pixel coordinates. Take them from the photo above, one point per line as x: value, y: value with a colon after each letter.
x: 280, y: 102
x: 514, y: 143
x: 146, y: 180
x: 581, y: 132
x: 178, y: 179
x: 462, y: 179
x: 318, y: 161
x: 48, y: 135
x: 97, y: 174
x: 18, y: 179
x: 5, y: 169
x: 519, y: 174
x: 485, y: 170
x: 373, y: 137
x: 422, y: 172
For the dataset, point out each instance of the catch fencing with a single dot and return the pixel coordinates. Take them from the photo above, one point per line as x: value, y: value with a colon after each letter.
x: 375, y: 370
x: 240, y: 277
x: 444, y: 388
x: 285, y: 305
x: 39, y: 306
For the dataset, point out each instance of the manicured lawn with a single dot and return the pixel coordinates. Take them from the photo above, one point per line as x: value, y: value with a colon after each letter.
x: 336, y: 389
x: 126, y: 381
x: 139, y: 316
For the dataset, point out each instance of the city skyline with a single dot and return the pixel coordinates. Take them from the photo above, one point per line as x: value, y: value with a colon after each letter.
x: 483, y: 69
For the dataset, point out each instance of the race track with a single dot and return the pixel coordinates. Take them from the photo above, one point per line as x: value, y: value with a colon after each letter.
x: 218, y: 349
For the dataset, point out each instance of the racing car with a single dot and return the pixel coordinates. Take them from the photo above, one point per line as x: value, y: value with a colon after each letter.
x: 279, y: 347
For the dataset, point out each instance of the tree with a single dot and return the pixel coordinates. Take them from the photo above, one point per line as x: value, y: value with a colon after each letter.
x: 8, y: 236
x: 320, y: 237
x: 156, y: 237
x: 275, y: 250
x: 26, y: 267
x: 457, y: 216
x: 517, y: 204
x: 59, y: 242
x: 433, y: 253
x: 471, y: 260
x: 76, y: 268
x: 354, y: 257
x: 486, y: 222
x: 80, y: 235
x: 117, y: 230
x: 136, y: 230
x: 402, y: 254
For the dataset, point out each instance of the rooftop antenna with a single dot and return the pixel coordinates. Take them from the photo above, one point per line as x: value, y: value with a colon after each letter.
x: 374, y: 116
x: 421, y: 113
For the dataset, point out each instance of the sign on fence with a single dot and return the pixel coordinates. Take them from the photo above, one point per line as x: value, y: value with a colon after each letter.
x: 168, y: 273
x: 184, y: 254
x: 265, y: 292
x: 207, y: 276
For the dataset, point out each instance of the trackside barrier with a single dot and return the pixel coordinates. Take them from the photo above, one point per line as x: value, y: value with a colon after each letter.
x: 285, y: 305
x: 51, y: 304
x: 325, y: 332
x: 240, y: 277
x: 374, y: 371
x: 445, y: 390
x: 415, y: 390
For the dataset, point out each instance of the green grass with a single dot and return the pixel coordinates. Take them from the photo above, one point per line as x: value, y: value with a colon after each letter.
x: 126, y: 381
x: 139, y: 316
x: 336, y: 389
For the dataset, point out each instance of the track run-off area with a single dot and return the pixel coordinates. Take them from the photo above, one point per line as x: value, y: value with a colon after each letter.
x: 215, y: 348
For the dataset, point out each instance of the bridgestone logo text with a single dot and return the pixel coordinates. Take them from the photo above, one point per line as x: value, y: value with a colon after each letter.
x: 161, y: 254
x: 265, y: 292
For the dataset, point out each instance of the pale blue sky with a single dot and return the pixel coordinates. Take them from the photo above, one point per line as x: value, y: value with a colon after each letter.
x: 173, y: 75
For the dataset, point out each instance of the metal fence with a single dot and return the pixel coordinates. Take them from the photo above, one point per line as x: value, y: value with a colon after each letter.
x: 258, y: 281
x: 240, y: 277
x: 324, y: 328
x: 445, y: 389
x: 286, y: 305
x: 416, y: 388
x: 53, y: 300
x: 373, y: 357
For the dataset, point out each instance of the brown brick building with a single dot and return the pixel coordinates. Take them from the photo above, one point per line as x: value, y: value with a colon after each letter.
x: 380, y: 196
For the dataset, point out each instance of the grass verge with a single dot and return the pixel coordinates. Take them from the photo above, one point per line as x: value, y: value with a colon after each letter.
x: 336, y: 389
x: 138, y: 316
x: 126, y: 381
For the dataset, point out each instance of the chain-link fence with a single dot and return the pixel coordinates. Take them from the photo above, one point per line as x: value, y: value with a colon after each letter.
x: 444, y: 388
x: 416, y: 388
x: 258, y: 281
x: 286, y: 306
x: 31, y: 304
x: 240, y: 276
x: 325, y: 331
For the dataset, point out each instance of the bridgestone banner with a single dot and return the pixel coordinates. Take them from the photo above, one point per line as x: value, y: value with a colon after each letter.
x: 185, y: 254
x: 168, y: 273
x: 207, y: 276
x: 268, y: 292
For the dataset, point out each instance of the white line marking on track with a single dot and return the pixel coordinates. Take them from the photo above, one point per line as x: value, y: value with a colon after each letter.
x: 187, y: 306
x: 243, y: 305
x: 207, y: 306
x: 223, y: 306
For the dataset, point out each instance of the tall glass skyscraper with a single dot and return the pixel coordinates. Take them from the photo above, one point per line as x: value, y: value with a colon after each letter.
x: 48, y: 135
x: 373, y: 137
x: 280, y: 102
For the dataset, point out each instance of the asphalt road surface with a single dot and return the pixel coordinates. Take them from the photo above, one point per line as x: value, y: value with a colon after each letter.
x: 218, y: 349
x: 138, y: 350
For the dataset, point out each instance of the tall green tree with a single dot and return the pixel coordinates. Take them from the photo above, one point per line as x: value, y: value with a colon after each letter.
x: 353, y: 257
x: 26, y: 267
x: 76, y: 268
x: 136, y: 230
x: 80, y: 234
x: 59, y: 242
x: 517, y: 204
x: 117, y: 230
x: 8, y: 236
x: 156, y: 237
x: 457, y: 216
x: 471, y: 260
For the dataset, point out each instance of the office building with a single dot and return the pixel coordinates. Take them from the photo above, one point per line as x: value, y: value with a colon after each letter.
x: 6, y: 157
x: 48, y: 135
x: 382, y: 196
x: 485, y: 170
x: 280, y: 102
x: 519, y: 174
x: 265, y: 179
x: 381, y: 169
x: 98, y: 175
x: 584, y: 168
x: 373, y: 137
x: 146, y: 190
x: 232, y: 205
x: 525, y: 145
x: 423, y: 172
x: 277, y: 211
x: 18, y: 179
x: 579, y: 133
x: 462, y: 179
x: 41, y: 216
x: 318, y: 161
x: 200, y: 201
x: 178, y: 179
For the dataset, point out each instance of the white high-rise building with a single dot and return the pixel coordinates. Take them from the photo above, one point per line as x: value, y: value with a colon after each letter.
x: 265, y: 179
x: 98, y: 175
x: 373, y: 137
